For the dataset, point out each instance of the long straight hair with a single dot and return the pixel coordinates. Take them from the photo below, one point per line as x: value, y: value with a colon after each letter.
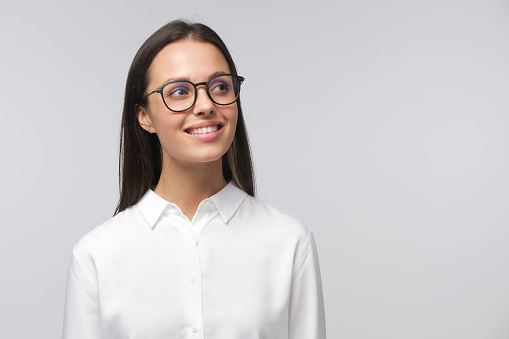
x: 140, y: 155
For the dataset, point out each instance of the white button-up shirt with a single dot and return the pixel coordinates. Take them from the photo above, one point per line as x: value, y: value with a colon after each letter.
x: 240, y: 269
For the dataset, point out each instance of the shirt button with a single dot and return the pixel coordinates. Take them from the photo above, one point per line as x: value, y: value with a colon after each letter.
x: 192, y: 280
x: 194, y: 329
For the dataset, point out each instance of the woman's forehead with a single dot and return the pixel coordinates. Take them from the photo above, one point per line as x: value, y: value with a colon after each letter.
x: 188, y: 59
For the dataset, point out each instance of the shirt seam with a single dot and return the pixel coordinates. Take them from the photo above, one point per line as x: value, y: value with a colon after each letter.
x: 300, y: 259
x: 86, y: 274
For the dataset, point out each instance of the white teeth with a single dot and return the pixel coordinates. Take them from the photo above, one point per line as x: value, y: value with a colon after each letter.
x: 204, y: 130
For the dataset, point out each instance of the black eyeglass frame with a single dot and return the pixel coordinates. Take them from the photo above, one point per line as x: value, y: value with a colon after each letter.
x: 204, y: 83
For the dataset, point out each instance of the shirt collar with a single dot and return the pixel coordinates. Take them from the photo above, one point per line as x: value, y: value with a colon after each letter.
x: 151, y: 206
x: 227, y: 201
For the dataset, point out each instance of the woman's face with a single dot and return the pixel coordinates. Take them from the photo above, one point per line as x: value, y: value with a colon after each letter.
x: 196, y: 62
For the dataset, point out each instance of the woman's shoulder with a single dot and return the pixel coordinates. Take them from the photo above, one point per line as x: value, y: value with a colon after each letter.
x: 268, y: 215
x: 101, y: 234
x: 275, y: 226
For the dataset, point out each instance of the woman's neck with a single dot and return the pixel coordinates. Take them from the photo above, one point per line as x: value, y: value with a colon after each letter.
x: 186, y: 184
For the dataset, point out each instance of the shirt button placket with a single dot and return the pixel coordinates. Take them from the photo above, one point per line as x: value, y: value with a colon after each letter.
x: 194, y: 289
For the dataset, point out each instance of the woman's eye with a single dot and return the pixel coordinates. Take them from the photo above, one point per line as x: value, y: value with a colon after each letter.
x: 219, y: 87
x: 178, y: 92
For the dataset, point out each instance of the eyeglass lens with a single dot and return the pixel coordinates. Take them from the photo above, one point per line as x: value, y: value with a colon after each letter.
x: 180, y: 95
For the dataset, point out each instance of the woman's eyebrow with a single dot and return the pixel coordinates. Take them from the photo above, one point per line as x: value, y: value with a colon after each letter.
x: 215, y: 74
x: 167, y: 81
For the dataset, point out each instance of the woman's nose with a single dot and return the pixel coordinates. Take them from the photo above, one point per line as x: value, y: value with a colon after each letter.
x: 203, y: 104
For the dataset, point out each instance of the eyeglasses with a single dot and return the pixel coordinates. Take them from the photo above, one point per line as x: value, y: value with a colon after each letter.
x: 180, y: 95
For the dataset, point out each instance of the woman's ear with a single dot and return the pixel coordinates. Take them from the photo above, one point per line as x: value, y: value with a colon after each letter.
x: 144, y: 118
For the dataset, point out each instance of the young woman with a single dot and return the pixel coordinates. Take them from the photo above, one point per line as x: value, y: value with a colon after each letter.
x: 190, y: 252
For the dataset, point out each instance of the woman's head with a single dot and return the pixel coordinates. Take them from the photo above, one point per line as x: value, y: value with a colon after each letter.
x: 140, y: 150
x: 191, y: 91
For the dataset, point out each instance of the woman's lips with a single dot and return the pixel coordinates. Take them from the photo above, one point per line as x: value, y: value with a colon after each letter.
x: 204, y: 130
x: 208, y: 133
x: 203, y: 127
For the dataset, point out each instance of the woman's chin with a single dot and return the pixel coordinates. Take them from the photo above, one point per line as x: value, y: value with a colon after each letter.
x: 199, y: 158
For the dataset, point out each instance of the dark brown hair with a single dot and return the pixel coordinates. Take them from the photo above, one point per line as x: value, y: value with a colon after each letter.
x: 140, y: 158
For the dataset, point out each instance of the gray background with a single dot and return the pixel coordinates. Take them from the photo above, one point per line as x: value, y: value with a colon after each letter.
x: 381, y: 124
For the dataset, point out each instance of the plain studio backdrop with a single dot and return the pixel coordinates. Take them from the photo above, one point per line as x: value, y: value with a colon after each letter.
x: 383, y: 125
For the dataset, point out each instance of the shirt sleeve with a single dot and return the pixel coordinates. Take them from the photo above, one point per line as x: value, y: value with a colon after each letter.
x: 82, y: 313
x: 306, y: 310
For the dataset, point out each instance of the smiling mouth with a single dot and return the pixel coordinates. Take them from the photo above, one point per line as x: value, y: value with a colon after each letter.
x: 204, y: 130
